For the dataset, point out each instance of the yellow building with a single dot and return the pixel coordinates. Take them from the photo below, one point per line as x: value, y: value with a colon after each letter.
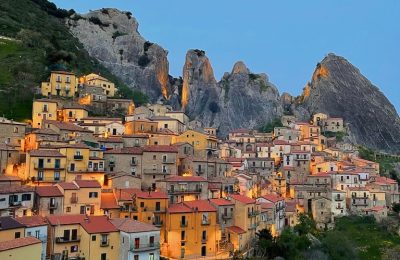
x: 140, y: 126
x: 93, y: 79
x: 10, y: 229
x: 62, y: 83
x: 43, y: 109
x: 45, y: 166
x: 203, y: 143
x: 191, y: 230
x: 73, y: 113
x: 81, y: 197
x: 21, y: 249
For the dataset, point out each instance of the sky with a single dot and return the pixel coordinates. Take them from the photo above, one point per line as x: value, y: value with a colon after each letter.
x: 285, y: 39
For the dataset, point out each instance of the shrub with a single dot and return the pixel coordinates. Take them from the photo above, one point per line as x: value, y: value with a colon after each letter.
x: 117, y: 34
x: 129, y: 15
x: 144, y: 60
x: 269, y: 127
x: 104, y: 11
x: 147, y: 45
x: 97, y: 21
x: 199, y: 52
x: 253, y: 76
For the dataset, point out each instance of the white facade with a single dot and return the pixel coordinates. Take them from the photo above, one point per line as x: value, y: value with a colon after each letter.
x: 146, y: 245
x: 40, y: 232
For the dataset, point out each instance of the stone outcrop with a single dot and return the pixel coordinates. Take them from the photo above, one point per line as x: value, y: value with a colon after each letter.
x: 112, y: 37
x: 240, y: 99
x: 339, y: 89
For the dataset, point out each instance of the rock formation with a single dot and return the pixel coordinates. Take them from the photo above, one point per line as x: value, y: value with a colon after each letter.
x: 339, y: 89
x: 112, y: 37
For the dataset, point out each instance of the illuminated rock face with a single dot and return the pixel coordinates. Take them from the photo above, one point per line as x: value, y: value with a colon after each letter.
x: 112, y: 37
x: 339, y: 89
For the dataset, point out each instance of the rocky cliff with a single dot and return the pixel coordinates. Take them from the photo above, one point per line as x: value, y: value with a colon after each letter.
x: 240, y: 99
x: 112, y: 37
x: 339, y: 89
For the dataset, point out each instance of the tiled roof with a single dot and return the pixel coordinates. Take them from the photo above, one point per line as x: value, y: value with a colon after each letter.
x: 65, y: 219
x: 132, y: 226
x: 267, y: 205
x: 221, y: 202
x: 185, y: 179
x: 126, y: 150
x: 236, y: 229
x: 18, y: 242
x: 110, y: 140
x: 98, y: 224
x: 290, y: 206
x: 161, y: 148
x: 108, y: 201
x: 68, y: 186
x: 102, y: 118
x: 179, y: 208
x: 48, y: 191
x: 15, y: 189
x: 9, y: 223
x: 32, y: 221
x: 320, y: 174
x: 214, y: 185
x: 272, y: 197
x: 45, y: 131
x: 242, y: 199
x: 358, y: 188
x: 376, y: 208
x: 385, y: 180
x: 127, y: 193
x: 45, y: 153
x: 200, y: 205
x: 88, y: 183
x: 66, y: 126
x: 8, y: 178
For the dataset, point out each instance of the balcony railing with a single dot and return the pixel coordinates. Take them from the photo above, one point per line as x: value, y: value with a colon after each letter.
x: 226, y: 216
x: 145, y: 247
x: 127, y: 209
x: 78, y: 157
x: 168, y: 161
x: 53, y: 205
x: 133, y: 163
x: 158, y: 223
x: 104, y: 243
x: 15, y: 203
x: 200, y: 172
x: 359, y: 196
x: 204, y: 240
x: 88, y: 169
x: 74, y: 200
x: 156, y: 171
x: 60, y: 240
x: 205, y: 222
x: 180, y: 191
x: 184, y: 224
x: 252, y: 213
x: 339, y: 207
x: 48, y: 167
x: 339, y: 198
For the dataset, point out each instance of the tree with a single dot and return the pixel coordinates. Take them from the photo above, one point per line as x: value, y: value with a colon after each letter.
x: 266, y: 243
x: 269, y: 127
x: 306, y: 225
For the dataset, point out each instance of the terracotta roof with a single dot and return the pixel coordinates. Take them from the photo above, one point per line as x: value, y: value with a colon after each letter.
x: 45, y: 153
x: 267, y: 205
x: 320, y: 174
x: 65, y: 219
x: 18, y: 242
x: 32, y: 221
x: 222, y: 202
x: 66, y: 126
x: 240, y: 130
x: 272, y: 197
x: 214, y: 185
x: 5, y: 189
x: 280, y: 142
x: 384, y: 180
x: 185, y: 179
x: 88, y: 183
x: 9, y: 223
x: 132, y: 226
x: 161, y: 148
x: 236, y: 229
x: 200, y: 205
x: 98, y: 224
x: 48, y: 191
x: 58, y: 146
x: 110, y: 140
x: 45, y: 100
x: 242, y: 198
x: 102, y: 118
x: 45, y: 131
x: 136, y: 136
x: 108, y: 201
x: 290, y: 206
x: 376, y: 208
x: 62, y: 72
x: 8, y: 178
x: 358, y: 188
x: 126, y: 194
x: 179, y: 208
x: 74, y: 106
x: 126, y: 150
x: 68, y: 186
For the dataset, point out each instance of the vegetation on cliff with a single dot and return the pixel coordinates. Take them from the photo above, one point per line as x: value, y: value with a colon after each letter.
x: 40, y: 43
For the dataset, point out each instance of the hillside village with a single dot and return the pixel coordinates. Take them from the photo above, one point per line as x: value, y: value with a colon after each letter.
x: 150, y: 183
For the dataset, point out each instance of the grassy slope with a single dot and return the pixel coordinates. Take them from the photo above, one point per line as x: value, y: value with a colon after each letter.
x: 46, y: 44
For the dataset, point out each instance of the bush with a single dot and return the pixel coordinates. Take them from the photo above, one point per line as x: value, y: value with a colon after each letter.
x: 144, y: 60
x: 200, y: 53
x: 129, y: 15
x: 97, y: 21
x: 104, y: 11
x: 253, y: 76
x: 267, y: 128
x: 214, y: 108
x: 117, y: 34
x: 147, y: 45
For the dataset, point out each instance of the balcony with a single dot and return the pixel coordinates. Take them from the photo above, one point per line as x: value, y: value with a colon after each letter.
x: 184, y: 191
x: 156, y: 171
x: 339, y: 207
x: 78, y: 157
x: 145, y: 247
x: 168, y: 161
x: 206, y: 222
x: 252, y: 213
x: 133, y: 163
x: 200, y: 172
x: 61, y: 240
x: 74, y: 200
x: 203, y: 240
x: 361, y: 197
x: 184, y: 224
x: 53, y: 205
x: 105, y: 243
x: 111, y: 164
x: 158, y: 223
x: 48, y: 167
x: 15, y: 203
x: 127, y: 209
x: 339, y: 198
x: 226, y: 216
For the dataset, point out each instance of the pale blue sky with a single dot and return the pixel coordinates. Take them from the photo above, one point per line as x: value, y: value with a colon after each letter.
x: 284, y: 39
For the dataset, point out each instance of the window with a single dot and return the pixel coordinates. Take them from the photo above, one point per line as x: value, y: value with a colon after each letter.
x: 94, y: 238
x: 93, y: 194
x: 56, y: 176
x: 74, y: 249
x: 37, y: 233
x: 15, y: 129
x: 137, y: 242
x: 40, y: 176
x: 151, y: 256
x: 151, y: 241
x: 68, y: 209
x: 29, y: 234
x: 17, y: 234
x: 136, y: 257
x: 183, y: 235
x: 141, y: 204
x: 154, y: 157
x: 26, y: 197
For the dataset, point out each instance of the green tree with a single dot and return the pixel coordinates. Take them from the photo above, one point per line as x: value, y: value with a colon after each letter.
x: 269, y: 127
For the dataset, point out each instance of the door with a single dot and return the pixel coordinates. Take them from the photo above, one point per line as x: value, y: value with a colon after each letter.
x: 66, y: 235
x: 40, y: 163
x: 74, y: 235
x: 72, y: 167
x: 114, y: 132
x: 203, y: 251
x: 82, y: 211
